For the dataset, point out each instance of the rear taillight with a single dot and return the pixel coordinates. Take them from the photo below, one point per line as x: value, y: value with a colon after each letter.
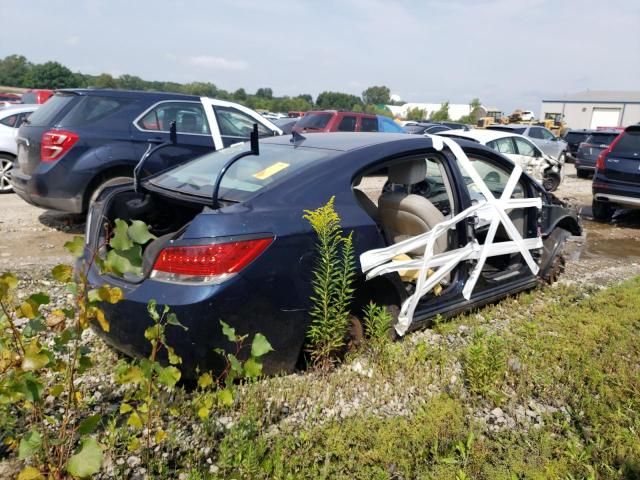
x: 603, y: 155
x: 206, y: 264
x: 55, y: 143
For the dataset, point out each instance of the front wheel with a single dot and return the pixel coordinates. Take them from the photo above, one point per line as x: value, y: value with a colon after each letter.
x: 551, y: 182
x: 6, y: 165
x: 602, y: 212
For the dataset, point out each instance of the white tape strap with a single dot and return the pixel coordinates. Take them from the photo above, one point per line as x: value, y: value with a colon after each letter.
x: 380, y: 261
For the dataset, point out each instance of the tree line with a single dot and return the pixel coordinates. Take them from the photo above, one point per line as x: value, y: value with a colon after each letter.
x: 18, y: 71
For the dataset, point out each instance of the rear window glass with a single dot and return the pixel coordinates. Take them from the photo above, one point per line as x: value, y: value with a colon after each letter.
x: 576, y: 137
x: 29, y: 97
x: 91, y: 109
x: 369, y: 124
x: 601, y: 138
x: 629, y: 144
x: 245, y: 177
x: 49, y: 111
x: 314, y: 120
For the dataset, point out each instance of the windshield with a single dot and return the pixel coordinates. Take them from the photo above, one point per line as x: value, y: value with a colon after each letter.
x: 507, y: 129
x: 245, y: 177
x: 314, y: 120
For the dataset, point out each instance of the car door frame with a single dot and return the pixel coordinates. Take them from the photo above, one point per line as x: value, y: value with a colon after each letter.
x: 480, y: 296
x: 209, y: 105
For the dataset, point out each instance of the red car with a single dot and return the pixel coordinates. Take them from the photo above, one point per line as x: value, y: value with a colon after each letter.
x: 36, y: 96
x: 343, y: 121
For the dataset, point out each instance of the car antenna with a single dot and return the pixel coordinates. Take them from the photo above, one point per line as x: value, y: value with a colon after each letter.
x: 297, y: 137
x: 137, y: 171
x: 254, y: 150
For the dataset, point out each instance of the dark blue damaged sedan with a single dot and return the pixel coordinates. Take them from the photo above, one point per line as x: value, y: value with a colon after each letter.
x: 232, y: 243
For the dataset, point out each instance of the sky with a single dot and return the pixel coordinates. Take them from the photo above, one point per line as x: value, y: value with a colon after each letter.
x: 508, y: 53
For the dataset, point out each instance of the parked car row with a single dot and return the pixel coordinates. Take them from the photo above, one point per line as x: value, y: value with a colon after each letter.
x: 550, y: 144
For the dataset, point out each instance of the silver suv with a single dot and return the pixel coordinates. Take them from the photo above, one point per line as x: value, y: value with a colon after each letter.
x: 550, y: 144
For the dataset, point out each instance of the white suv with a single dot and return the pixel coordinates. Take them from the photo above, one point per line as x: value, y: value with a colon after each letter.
x: 11, y: 118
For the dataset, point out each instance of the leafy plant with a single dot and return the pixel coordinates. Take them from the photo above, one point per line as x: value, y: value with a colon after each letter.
x: 333, y: 276
x: 36, y: 347
x: 484, y: 364
x: 151, y: 381
x: 235, y: 369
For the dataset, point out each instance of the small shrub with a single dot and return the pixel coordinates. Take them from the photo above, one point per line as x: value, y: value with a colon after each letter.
x: 332, y: 284
x: 484, y: 364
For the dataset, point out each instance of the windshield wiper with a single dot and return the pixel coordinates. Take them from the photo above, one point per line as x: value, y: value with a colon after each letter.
x: 254, y: 150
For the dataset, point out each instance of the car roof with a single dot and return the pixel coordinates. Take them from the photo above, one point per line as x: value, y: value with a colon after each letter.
x: 129, y: 93
x: 480, y: 135
x: 18, y: 108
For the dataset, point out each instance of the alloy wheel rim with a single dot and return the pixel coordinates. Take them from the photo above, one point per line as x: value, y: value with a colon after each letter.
x: 5, y: 174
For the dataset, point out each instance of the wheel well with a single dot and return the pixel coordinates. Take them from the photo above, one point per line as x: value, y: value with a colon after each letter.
x: 385, y: 290
x: 112, y: 172
x: 569, y: 224
x: 7, y: 154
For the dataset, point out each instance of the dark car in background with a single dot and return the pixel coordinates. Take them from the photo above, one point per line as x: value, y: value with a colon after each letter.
x: 421, y: 128
x: 246, y: 256
x: 344, y: 121
x: 590, y: 149
x: 83, y: 140
x: 574, y: 138
x: 616, y: 181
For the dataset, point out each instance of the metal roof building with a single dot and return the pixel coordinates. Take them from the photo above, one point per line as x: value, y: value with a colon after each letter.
x: 595, y: 108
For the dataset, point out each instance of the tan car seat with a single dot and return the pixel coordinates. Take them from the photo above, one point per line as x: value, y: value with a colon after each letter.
x: 405, y: 215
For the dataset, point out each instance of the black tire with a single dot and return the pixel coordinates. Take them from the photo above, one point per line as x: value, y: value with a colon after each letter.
x: 108, y: 183
x: 602, y: 212
x: 582, y: 173
x: 551, y: 182
x: 6, y: 165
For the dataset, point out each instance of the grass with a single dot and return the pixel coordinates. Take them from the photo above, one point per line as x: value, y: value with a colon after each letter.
x: 578, y: 356
x: 562, y: 364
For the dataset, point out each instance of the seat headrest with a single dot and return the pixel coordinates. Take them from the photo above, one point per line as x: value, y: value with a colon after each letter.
x: 408, y: 173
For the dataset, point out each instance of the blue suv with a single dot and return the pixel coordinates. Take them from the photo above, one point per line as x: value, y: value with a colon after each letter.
x: 84, y: 140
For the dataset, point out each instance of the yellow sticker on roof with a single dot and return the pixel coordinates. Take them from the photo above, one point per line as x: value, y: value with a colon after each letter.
x: 270, y: 170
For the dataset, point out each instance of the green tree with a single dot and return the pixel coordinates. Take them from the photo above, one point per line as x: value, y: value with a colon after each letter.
x: 131, y: 82
x: 474, y: 112
x: 13, y: 70
x: 307, y: 98
x: 50, y: 75
x: 264, y: 93
x: 105, y: 80
x: 416, y: 114
x: 377, y: 95
x: 337, y: 100
x: 240, y: 95
x: 202, y: 89
x: 441, y: 115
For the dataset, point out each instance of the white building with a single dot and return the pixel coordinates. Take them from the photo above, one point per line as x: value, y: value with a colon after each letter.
x: 456, y: 110
x: 595, y: 108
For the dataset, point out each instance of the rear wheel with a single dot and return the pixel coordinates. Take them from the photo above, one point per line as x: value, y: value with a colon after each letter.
x: 108, y: 183
x: 6, y: 165
x: 602, y: 212
x: 582, y: 173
